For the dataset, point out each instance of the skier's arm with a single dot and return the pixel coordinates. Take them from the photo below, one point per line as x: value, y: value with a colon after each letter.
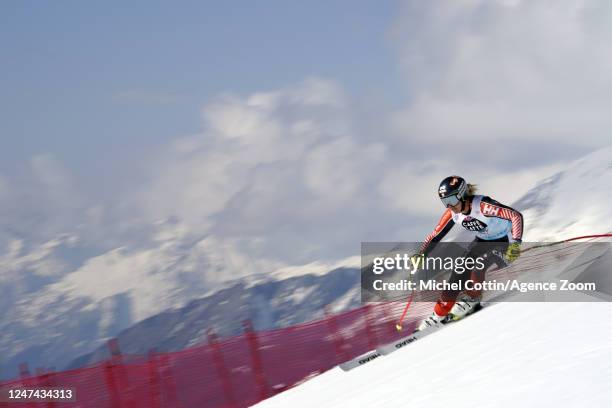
x: 492, y: 208
x: 444, y: 225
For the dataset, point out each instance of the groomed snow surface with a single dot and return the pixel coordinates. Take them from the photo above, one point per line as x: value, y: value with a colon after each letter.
x: 507, y: 355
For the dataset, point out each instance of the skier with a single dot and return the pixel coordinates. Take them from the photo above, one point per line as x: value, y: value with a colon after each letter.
x: 498, y: 228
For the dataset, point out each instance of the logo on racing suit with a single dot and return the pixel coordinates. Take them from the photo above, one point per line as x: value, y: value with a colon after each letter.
x: 473, y: 224
x: 489, y: 210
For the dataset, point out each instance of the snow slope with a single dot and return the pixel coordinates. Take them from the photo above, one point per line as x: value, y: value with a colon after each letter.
x: 508, y: 355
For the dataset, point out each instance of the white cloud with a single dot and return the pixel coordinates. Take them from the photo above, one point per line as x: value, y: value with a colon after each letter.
x: 411, y: 188
x: 286, y: 175
x: 483, y: 71
x: 318, y: 92
x: 39, y: 201
x: 267, y: 163
x: 335, y: 171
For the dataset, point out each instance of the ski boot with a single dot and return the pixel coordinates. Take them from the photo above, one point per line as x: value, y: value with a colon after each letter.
x: 464, y: 306
x: 434, y: 320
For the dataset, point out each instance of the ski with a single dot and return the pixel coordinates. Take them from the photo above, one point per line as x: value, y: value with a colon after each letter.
x: 360, y: 360
x: 386, y: 349
x: 396, y: 345
x: 416, y: 335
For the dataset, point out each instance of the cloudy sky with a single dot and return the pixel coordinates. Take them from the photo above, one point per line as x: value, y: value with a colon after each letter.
x: 292, y: 130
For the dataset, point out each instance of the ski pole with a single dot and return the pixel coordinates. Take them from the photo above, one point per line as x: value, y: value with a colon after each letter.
x: 398, y: 326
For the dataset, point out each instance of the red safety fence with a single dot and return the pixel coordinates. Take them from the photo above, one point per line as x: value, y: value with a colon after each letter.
x: 234, y: 372
x: 237, y: 371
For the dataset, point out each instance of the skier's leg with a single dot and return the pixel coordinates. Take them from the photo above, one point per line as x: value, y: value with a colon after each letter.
x: 489, y: 251
x: 445, y: 303
x: 448, y: 304
x: 492, y: 259
x: 448, y: 297
x: 470, y: 300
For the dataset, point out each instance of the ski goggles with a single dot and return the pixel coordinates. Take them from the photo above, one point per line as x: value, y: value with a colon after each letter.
x: 450, y: 201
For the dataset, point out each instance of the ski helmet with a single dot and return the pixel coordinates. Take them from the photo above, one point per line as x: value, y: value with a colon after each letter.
x: 452, y: 190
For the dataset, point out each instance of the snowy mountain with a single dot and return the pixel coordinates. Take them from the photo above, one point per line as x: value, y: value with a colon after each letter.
x: 53, y: 315
x: 63, y: 297
x: 270, y: 304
